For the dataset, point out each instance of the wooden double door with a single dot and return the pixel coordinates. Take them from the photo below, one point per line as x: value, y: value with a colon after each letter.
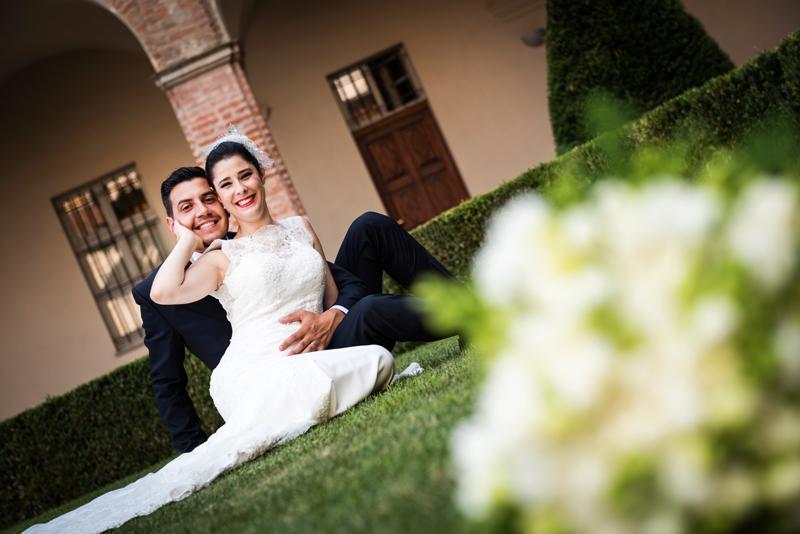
x: 411, y: 166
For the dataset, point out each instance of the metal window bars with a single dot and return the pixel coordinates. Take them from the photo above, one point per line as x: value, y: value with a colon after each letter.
x: 110, y: 226
x: 376, y: 86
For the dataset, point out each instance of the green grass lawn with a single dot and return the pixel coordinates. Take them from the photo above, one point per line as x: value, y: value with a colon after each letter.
x: 382, y: 466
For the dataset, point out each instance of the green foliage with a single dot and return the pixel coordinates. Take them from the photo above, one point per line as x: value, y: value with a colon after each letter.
x: 89, y: 437
x: 642, y: 53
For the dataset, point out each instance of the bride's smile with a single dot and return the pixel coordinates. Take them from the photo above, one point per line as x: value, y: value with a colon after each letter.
x: 245, y: 201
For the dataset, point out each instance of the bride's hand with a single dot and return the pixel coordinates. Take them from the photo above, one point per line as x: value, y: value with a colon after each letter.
x: 181, y: 232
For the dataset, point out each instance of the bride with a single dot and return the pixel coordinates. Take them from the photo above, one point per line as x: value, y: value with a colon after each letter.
x: 270, y: 269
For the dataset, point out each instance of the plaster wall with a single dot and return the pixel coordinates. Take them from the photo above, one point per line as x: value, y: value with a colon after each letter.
x: 68, y: 120
x: 744, y: 28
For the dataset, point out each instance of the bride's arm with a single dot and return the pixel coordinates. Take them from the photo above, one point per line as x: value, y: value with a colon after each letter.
x: 331, y: 292
x: 174, y: 284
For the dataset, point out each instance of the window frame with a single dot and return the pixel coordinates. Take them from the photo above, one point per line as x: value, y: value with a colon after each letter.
x: 113, y: 234
x: 374, y: 89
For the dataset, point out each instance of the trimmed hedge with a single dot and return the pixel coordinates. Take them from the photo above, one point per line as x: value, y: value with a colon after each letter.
x: 110, y: 427
x: 92, y: 436
x: 588, y: 46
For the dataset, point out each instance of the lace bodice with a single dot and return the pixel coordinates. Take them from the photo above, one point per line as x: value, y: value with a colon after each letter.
x: 274, y: 272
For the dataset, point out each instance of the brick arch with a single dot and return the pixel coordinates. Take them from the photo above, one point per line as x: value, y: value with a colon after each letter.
x: 171, y: 31
x: 199, y: 68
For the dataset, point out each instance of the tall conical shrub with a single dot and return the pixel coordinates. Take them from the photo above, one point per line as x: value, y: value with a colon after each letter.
x: 640, y: 52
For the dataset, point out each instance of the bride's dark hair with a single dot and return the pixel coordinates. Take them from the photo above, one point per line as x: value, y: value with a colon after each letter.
x: 226, y: 150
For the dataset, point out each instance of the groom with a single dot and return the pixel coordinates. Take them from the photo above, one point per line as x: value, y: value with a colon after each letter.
x: 360, y: 316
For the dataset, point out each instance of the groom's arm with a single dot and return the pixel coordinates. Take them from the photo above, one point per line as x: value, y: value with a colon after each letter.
x: 169, y: 376
x: 316, y: 330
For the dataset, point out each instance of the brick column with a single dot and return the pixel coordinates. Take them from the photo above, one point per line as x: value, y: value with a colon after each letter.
x: 210, y: 92
x: 200, y: 70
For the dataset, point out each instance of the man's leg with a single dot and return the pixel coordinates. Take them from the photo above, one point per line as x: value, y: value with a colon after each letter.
x: 382, y: 320
x: 375, y: 243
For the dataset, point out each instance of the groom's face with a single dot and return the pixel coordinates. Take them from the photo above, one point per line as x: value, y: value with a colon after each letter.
x: 197, y: 208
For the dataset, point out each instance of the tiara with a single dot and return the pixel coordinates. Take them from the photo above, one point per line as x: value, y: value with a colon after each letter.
x: 235, y: 136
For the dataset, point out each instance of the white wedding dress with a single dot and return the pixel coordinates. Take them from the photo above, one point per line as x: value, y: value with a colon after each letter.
x: 265, y: 397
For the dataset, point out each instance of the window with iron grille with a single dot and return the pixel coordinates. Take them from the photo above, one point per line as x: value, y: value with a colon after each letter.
x: 111, y: 228
x: 375, y: 87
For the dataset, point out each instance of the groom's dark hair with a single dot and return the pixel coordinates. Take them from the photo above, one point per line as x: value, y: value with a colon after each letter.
x: 184, y: 174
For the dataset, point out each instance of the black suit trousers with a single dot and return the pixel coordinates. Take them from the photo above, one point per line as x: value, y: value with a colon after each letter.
x: 376, y: 243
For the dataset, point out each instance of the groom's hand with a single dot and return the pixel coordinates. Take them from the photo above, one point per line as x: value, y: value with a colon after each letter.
x: 315, y: 332
x: 181, y: 233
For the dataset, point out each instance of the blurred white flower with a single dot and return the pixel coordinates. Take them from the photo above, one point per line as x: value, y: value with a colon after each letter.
x: 714, y: 319
x: 763, y: 230
x: 609, y: 357
x: 514, y: 245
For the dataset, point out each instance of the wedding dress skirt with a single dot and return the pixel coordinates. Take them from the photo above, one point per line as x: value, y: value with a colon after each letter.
x: 265, y: 397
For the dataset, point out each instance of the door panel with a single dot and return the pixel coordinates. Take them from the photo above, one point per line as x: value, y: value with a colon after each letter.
x: 386, y: 156
x: 408, y: 206
x: 440, y: 192
x: 402, y: 183
x: 417, y: 139
x: 410, y: 165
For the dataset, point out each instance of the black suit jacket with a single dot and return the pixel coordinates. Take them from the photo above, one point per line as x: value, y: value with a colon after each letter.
x: 204, y: 329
